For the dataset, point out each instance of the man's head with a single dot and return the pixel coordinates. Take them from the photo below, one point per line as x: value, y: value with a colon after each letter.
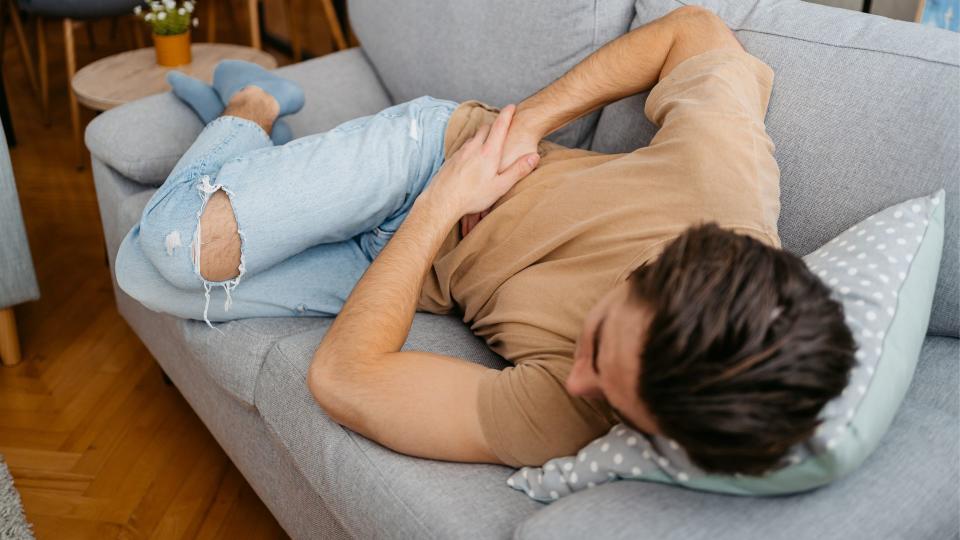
x: 724, y: 344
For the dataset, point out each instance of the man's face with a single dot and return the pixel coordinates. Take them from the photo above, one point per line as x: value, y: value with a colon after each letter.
x: 606, y: 362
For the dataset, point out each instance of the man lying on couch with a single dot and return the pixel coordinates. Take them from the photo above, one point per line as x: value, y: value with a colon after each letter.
x: 647, y: 288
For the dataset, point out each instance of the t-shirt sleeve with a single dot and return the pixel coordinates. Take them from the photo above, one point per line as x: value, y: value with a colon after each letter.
x: 712, y: 140
x: 528, y: 417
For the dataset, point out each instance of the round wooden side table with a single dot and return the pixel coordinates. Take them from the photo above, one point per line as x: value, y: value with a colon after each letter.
x: 131, y: 75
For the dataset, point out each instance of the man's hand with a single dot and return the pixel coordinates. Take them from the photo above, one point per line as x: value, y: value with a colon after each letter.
x: 522, y: 139
x: 471, y: 180
x: 495, y: 159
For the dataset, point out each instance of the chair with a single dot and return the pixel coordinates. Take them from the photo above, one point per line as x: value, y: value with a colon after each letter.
x: 292, y: 7
x: 73, y: 13
x: 18, y: 282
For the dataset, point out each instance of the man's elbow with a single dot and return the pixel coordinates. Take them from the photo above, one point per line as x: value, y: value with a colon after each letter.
x: 330, y: 388
x: 696, y: 15
x: 702, y: 27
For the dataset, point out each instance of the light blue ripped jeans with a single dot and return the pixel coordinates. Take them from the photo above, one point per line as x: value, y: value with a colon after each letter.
x: 312, y: 214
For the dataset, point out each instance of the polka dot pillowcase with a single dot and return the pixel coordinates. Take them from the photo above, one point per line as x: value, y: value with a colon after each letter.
x: 884, y: 271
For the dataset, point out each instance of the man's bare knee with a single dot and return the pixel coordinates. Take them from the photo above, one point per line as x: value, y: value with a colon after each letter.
x: 219, y: 239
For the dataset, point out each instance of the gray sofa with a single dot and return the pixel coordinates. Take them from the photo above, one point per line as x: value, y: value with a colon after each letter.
x: 864, y: 114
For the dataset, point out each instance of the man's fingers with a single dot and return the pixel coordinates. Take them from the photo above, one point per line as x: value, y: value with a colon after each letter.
x: 481, y: 135
x: 520, y: 168
x: 498, y: 134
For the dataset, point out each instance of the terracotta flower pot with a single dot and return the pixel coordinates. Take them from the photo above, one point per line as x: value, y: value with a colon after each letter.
x: 174, y: 50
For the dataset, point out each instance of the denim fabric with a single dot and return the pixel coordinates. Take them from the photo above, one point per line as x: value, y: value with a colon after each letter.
x: 311, y: 214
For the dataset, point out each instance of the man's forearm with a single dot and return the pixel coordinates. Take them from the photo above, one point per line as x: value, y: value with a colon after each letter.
x: 630, y: 64
x: 377, y: 316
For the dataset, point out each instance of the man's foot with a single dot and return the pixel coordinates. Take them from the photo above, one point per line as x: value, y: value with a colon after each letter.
x: 232, y: 76
x: 256, y: 105
x: 202, y: 98
x: 205, y: 102
x: 281, y: 134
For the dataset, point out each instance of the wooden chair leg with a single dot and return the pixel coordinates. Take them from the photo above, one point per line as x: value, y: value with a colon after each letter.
x: 9, y: 343
x: 22, y: 44
x: 137, y: 32
x: 44, y: 69
x: 212, y: 20
x: 334, y: 24
x: 71, y: 55
x: 253, y: 14
x: 293, y: 27
x: 91, y: 37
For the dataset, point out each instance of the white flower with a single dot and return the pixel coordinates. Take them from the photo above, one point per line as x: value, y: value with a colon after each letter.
x: 169, y: 4
x: 162, y: 15
x: 155, y: 6
x: 148, y: 17
x: 181, y: 11
x: 188, y: 5
x: 137, y: 10
x: 196, y: 22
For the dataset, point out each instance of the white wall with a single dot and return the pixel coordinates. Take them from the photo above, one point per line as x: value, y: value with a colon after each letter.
x: 895, y: 9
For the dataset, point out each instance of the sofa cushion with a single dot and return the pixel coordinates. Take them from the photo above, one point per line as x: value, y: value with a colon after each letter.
x: 906, y: 489
x: 375, y: 492
x: 496, y: 51
x: 232, y: 353
x: 863, y: 114
x: 144, y: 139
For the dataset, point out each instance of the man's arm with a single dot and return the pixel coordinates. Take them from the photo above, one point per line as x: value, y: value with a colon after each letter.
x: 632, y: 63
x: 417, y: 403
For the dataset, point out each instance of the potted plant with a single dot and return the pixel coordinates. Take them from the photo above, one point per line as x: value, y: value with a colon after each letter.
x: 170, y: 22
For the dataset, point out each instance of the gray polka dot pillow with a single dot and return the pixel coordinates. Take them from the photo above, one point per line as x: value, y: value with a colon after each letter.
x: 883, y: 270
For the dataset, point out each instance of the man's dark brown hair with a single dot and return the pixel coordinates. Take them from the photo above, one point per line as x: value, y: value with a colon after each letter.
x: 745, y: 347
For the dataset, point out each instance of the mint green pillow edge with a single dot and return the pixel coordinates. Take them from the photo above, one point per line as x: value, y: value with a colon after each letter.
x: 888, y: 387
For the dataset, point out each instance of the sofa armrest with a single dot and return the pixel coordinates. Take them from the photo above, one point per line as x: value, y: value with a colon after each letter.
x: 18, y: 281
x: 143, y: 140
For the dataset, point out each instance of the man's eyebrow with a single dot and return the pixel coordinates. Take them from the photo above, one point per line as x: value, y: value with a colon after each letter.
x: 596, y: 344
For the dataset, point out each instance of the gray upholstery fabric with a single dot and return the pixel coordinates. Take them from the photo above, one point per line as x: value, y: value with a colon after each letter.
x: 375, y: 492
x: 144, y: 139
x: 906, y: 489
x: 864, y: 114
x: 233, y: 358
x: 497, y: 51
x: 18, y: 282
x: 239, y: 429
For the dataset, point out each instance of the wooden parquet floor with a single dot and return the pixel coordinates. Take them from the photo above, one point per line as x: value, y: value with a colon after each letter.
x: 98, y: 445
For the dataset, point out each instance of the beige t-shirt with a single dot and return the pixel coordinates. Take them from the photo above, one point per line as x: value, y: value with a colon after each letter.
x: 562, y: 237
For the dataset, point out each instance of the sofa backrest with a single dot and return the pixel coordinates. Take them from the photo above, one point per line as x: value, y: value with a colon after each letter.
x: 864, y: 114
x: 497, y: 51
